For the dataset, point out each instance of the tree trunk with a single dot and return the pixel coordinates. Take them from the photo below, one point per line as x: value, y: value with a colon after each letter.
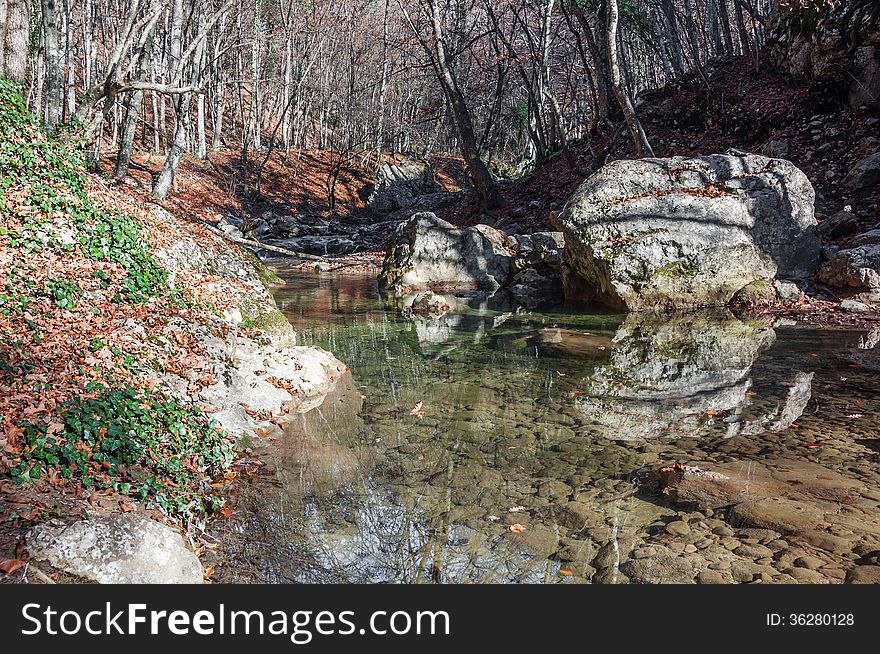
x: 54, y: 65
x: 165, y: 179
x: 383, y: 88
x: 219, y: 110
x: 714, y: 25
x: 741, y: 27
x: 724, y: 16
x: 181, y: 102
x: 256, y: 109
x: 132, y: 110
x: 200, y: 62
x: 15, y: 18
x: 490, y: 198
x: 668, y: 7
x: 643, y: 148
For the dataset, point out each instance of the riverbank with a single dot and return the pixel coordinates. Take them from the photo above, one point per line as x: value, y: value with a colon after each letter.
x: 139, y: 356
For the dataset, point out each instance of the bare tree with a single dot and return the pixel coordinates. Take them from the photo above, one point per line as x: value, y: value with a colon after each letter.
x: 482, y: 179
x: 621, y: 93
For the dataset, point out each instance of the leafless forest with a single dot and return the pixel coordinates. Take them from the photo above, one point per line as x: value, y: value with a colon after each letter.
x: 503, y: 83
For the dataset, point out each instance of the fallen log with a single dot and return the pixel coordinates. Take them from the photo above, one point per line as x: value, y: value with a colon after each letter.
x: 264, y: 246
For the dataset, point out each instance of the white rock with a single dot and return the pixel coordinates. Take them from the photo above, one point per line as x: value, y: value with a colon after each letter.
x: 684, y: 232
x: 117, y: 549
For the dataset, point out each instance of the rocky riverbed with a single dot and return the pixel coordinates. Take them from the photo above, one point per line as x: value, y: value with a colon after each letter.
x: 560, y: 447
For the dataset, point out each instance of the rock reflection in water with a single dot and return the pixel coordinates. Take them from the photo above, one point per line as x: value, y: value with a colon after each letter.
x: 685, y: 376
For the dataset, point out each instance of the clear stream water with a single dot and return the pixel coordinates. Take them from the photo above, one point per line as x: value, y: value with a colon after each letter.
x: 520, y: 417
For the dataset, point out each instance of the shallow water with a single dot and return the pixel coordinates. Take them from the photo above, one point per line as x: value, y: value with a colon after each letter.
x: 451, y: 433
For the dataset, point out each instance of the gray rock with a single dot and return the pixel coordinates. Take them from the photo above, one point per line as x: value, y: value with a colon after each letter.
x: 539, y: 249
x: 840, y: 37
x: 399, y: 185
x: 777, y: 513
x: 776, y: 149
x: 864, y: 176
x: 857, y: 268
x: 575, y: 515
x: 871, y: 237
x: 684, y: 232
x: 712, y: 577
x: 255, y: 303
x: 788, y: 290
x: 678, y: 528
x: 852, y: 306
x: 840, y: 224
x: 664, y: 568
x: 784, y: 495
x: 427, y: 302
x: 242, y: 367
x: 807, y: 576
x: 538, y: 539
x: 753, y: 551
x: 612, y: 553
x: 864, y: 574
x: 532, y: 289
x: 429, y: 253
x: 117, y: 549
x: 663, y: 376
x: 580, y: 551
x: 809, y: 562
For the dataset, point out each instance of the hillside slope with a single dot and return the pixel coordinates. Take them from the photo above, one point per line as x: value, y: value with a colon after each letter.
x: 127, y: 338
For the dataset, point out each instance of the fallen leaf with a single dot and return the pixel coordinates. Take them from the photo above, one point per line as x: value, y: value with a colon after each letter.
x: 567, y: 573
x: 11, y: 565
x: 55, y: 427
x: 517, y: 528
x: 226, y: 512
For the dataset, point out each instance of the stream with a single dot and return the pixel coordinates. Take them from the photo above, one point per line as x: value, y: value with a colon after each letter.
x: 501, y: 447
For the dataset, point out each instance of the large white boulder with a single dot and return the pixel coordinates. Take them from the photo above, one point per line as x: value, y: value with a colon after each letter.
x: 686, y: 232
